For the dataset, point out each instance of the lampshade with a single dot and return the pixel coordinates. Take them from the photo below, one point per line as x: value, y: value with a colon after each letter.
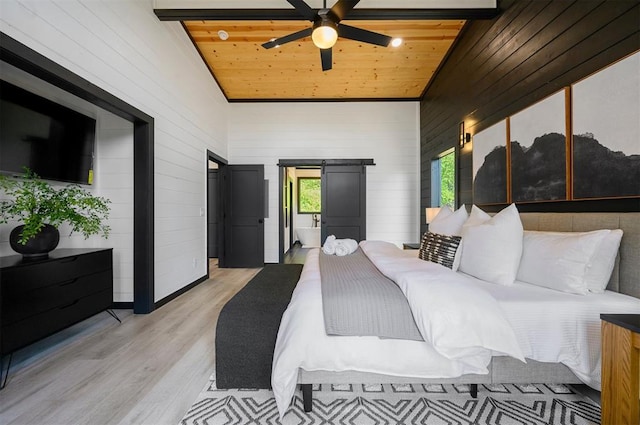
x: 324, y: 34
x: 431, y: 213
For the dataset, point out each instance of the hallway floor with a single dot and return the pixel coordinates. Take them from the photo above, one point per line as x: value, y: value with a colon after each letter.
x: 296, y: 255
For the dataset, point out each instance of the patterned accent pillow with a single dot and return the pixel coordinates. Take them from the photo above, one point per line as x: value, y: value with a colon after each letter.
x: 439, y: 249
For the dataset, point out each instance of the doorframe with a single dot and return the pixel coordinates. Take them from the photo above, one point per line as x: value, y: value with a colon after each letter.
x: 222, y: 164
x: 287, y: 189
x: 23, y: 57
x: 283, y: 164
x: 290, y: 186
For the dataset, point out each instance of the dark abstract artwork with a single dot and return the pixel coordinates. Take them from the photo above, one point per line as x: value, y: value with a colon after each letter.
x: 606, y: 132
x: 490, y: 165
x: 599, y: 172
x: 539, y: 151
x: 538, y: 173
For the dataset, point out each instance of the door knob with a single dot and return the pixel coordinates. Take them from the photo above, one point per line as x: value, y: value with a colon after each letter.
x: 260, y: 220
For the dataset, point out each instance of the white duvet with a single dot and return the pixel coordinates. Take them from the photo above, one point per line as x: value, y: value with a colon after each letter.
x: 559, y: 327
x: 463, y: 320
x: 456, y: 342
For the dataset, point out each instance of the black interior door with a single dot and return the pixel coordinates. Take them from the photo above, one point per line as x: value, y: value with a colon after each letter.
x: 212, y: 214
x: 244, y: 216
x: 344, y: 198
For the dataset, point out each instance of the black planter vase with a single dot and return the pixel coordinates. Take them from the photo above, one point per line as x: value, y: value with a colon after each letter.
x: 37, y: 246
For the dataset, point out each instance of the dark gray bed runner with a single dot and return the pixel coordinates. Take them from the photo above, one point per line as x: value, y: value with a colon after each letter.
x: 358, y: 300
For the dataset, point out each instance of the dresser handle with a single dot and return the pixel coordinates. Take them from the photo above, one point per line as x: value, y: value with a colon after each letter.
x: 68, y: 305
x: 69, y: 260
x: 68, y: 282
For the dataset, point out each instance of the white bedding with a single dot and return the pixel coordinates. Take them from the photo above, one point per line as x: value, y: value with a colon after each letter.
x: 446, y: 306
x: 528, y: 321
x: 559, y: 327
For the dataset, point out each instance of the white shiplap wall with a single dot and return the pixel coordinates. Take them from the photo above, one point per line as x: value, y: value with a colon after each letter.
x: 388, y: 132
x: 123, y: 48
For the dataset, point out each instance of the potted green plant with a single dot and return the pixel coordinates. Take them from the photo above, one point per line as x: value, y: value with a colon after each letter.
x: 43, y: 208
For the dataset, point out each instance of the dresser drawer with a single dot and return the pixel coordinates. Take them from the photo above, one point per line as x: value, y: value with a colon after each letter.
x: 24, y: 332
x: 26, y: 278
x: 18, y: 305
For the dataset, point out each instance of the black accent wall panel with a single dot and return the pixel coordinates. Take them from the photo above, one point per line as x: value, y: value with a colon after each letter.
x: 498, y: 67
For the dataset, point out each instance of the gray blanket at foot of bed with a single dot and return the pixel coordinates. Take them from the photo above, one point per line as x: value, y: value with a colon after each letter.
x: 358, y: 300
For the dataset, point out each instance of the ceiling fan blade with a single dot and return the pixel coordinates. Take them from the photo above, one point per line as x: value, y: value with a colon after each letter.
x: 343, y: 7
x: 288, y: 38
x: 326, y: 57
x: 304, y: 9
x: 365, y: 36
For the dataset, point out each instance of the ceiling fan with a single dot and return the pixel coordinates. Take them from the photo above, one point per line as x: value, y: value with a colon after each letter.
x: 326, y: 29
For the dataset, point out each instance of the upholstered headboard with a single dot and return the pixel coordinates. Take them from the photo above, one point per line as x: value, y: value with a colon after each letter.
x: 626, y: 274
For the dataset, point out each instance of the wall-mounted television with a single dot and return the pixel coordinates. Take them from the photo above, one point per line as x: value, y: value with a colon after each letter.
x: 55, y: 142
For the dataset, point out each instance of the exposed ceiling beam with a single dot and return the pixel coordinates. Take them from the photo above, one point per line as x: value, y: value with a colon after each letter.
x: 318, y: 4
x: 293, y: 15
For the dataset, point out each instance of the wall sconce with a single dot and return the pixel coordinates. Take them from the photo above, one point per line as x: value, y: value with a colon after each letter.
x: 464, y: 137
x: 430, y: 214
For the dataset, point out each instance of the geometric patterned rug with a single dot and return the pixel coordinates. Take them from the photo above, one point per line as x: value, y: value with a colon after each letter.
x: 531, y: 404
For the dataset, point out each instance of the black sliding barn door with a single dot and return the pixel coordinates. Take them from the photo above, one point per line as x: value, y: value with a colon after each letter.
x: 344, y: 198
x: 244, y: 216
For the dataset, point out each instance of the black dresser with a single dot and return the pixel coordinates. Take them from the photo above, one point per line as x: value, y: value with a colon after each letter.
x: 41, y: 297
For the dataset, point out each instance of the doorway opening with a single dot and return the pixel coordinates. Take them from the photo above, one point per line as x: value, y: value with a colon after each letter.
x: 241, y: 209
x: 318, y: 198
x: 303, y: 210
x: 215, y: 215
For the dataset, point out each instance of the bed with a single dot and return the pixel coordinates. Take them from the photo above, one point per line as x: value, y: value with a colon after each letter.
x: 546, y: 353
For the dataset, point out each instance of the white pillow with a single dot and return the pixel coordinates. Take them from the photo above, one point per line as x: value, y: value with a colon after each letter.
x: 603, y: 261
x: 491, y: 247
x: 477, y: 216
x: 448, y: 222
x: 559, y: 260
x: 444, y: 212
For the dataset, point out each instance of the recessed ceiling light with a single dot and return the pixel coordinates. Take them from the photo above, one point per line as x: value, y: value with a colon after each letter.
x: 396, y: 42
x: 223, y: 35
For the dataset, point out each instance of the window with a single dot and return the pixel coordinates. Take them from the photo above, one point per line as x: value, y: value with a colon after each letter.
x: 443, y: 180
x: 309, y: 195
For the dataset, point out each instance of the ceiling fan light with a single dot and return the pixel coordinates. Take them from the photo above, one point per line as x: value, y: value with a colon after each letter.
x: 324, y: 36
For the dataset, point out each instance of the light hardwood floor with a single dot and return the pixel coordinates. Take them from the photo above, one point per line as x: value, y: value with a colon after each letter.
x: 147, y: 370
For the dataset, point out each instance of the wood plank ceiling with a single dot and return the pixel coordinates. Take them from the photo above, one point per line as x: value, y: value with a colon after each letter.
x: 246, y: 71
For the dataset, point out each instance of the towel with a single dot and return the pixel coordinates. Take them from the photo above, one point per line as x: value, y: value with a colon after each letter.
x: 329, y: 246
x: 345, y: 247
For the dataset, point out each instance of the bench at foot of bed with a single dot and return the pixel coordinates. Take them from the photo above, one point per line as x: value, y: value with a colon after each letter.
x: 307, y: 395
